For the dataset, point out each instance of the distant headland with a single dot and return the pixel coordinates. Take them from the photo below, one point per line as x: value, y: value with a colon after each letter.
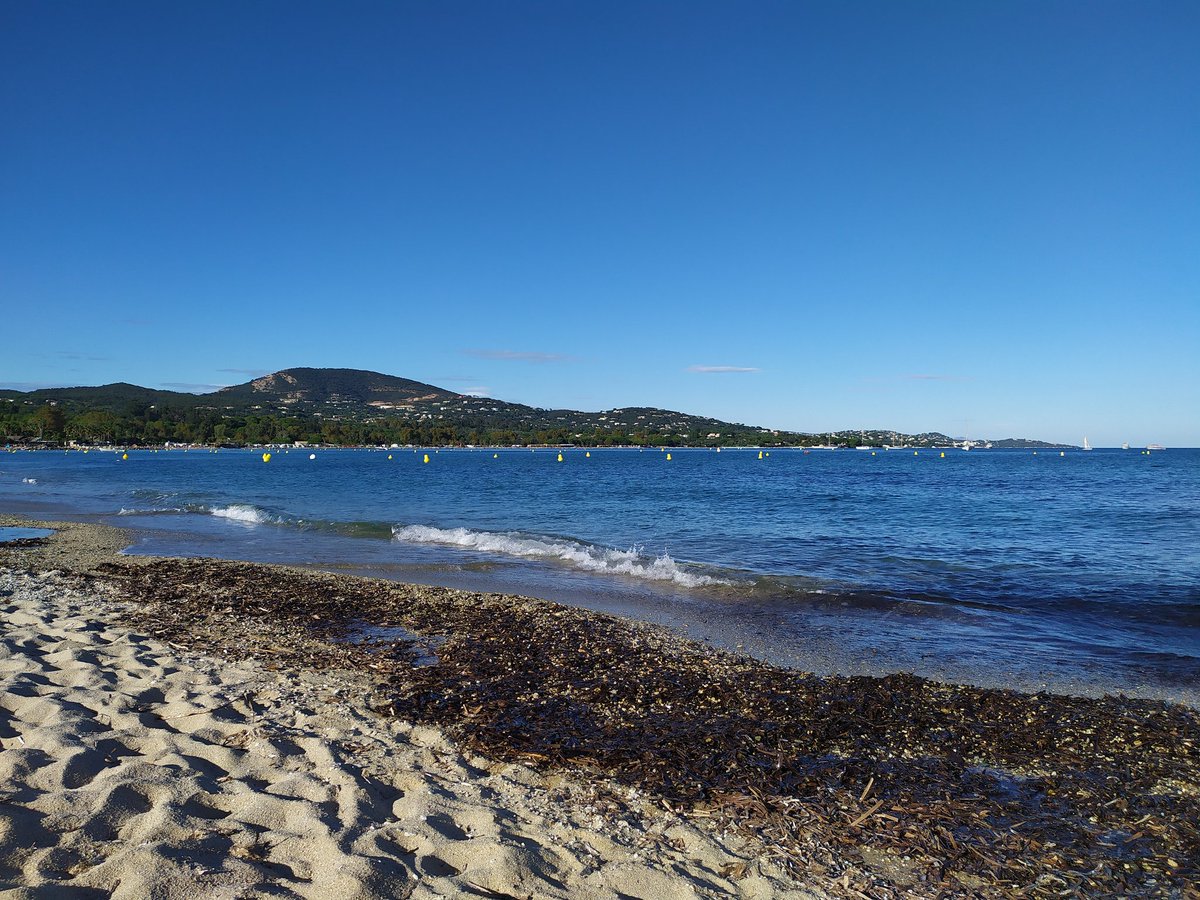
x: 353, y: 407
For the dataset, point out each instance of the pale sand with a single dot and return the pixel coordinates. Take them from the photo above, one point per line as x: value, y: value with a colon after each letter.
x: 133, y: 769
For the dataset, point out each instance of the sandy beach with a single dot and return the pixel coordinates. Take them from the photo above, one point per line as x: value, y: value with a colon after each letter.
x: 134, y: 768
x: 177, y: 728
x: 541, y: 450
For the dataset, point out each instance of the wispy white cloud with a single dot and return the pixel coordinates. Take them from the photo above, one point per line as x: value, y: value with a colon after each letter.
x: 479, y: 390
x: 62, y: 354
x: 519, y: 356
x: 190, y: 387
x: 723, y: 370
x: 253, y: 373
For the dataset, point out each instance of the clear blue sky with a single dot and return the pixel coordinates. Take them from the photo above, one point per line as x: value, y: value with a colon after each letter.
x: 972, y: 217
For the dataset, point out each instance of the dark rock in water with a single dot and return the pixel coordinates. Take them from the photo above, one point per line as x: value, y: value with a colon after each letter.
x: 925, y: 788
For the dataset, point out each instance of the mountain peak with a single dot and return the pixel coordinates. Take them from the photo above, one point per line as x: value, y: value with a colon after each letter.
x: 306, y: 385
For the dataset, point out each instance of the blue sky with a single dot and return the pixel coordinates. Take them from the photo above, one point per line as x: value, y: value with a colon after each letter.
x: 979, y: 218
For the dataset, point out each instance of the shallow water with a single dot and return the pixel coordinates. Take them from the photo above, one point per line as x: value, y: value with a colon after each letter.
x: 15, y: 533
x: 1078, y: 572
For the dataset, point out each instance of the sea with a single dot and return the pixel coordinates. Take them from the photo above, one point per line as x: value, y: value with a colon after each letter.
x: 1073, y: 572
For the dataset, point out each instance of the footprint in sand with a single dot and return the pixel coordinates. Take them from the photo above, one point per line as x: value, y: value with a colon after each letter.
x: 123, y: 804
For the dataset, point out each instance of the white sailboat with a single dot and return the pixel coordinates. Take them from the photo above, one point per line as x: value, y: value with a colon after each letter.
x: 1086, y: 445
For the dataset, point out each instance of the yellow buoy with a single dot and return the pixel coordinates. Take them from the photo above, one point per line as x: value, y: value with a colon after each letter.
x: 495, y: 456
x: 389, y: 456
x: 560, y: 457
x: 943, y: 454
x: 426, y: 458
x: 760, y: 456
x: 124, y: 456
x: 872, y: 452
x: 588, y: 454
x: 768, y: 453
x: 668, y: 456
x: 914, y: 453
x: 266, y: 457
x: 1061, y: 453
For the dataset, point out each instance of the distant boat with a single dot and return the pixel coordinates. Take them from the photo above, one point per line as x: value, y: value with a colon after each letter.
x: 1125, y: 446
x: 1086, y: 445
x: 1155, y: 447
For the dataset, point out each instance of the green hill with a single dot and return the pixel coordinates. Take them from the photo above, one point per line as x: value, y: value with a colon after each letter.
x: 118, y: 396
x: 350, y: 387
x: 355, y: 407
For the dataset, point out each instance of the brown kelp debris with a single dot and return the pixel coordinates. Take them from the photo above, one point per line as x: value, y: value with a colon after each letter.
x: 890, y: 786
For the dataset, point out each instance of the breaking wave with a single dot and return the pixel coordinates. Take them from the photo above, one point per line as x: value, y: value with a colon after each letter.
x: 632, y: 562
x: 241, y: 512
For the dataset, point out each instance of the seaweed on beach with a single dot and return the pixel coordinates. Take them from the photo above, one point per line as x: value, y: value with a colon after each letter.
x: 891, y: 786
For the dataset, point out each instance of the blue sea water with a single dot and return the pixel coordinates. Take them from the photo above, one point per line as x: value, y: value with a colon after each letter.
x: 1078, y: 572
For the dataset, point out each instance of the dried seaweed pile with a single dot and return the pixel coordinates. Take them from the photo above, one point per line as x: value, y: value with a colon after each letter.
x: 914, y: 785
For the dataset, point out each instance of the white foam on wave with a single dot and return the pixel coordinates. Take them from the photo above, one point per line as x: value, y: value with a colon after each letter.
x: 631, y: 562
x: 241, y: 512
x: 156, y: 511
x: 28, y: 481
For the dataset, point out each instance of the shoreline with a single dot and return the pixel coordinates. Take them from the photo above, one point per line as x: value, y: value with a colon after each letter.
x: 135, y: 766
x: 469, y: 448
x: 896, y: 784
x: 833, y: 642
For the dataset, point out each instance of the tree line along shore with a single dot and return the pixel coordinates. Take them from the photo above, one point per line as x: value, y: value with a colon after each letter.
x: 48, y: 425
x: 51, y: 426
